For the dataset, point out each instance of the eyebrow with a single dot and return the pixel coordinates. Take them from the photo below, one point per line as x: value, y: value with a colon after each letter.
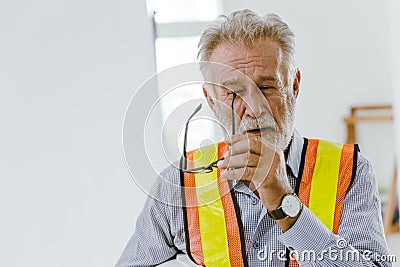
x: 260, y: 79
x: 263, y: 78
x: 230, y: 82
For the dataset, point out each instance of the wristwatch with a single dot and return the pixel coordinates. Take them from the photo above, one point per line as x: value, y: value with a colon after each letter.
x: 290, y: 207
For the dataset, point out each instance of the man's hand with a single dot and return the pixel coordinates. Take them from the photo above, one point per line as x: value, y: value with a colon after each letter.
x: 260, y: 166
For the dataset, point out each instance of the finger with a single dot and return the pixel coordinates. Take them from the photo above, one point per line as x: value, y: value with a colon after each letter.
x: 239, y: 161
x: 235, y: 138
x: 244, y: 174
x: 252, y: 145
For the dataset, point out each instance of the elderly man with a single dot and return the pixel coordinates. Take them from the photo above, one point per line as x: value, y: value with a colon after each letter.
x: 277, y: 199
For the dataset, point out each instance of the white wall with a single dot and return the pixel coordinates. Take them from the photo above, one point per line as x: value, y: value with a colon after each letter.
x: 395, y: 41
x: 344, y: 55
x: 67, y: 72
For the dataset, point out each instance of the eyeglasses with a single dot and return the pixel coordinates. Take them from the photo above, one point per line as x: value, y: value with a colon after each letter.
x: 208, y: 168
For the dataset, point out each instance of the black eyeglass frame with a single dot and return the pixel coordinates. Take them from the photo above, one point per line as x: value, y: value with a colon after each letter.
x: 208, y: 168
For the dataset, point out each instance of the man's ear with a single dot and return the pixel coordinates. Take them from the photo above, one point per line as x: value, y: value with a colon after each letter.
x: 296, y: 83
x: 210, y: 100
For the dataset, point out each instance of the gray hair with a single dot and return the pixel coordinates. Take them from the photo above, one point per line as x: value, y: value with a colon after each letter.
x: 246, y: 28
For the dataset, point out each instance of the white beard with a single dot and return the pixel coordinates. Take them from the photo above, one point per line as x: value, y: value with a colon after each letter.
x: 275, y: 137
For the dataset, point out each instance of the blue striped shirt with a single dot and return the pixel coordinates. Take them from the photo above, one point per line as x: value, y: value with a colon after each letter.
x: 160, y: 235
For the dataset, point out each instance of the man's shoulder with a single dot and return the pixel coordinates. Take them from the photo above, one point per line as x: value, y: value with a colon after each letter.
x: 171, y: 173
x: 166, y: 188
x: 362, y: 162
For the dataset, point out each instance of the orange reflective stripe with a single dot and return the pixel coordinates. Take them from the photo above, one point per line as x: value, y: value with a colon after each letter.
x: 192, y: 212
x: 345, y: 175
x: 232, y: 227
x: 293, y: 263
x: 308, y: 171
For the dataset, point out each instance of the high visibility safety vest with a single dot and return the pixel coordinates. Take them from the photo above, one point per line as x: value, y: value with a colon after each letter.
x: 212, y: 220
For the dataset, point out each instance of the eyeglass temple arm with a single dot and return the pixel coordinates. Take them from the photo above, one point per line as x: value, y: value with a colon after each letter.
x: 233, y: 113
x: 197, y: 109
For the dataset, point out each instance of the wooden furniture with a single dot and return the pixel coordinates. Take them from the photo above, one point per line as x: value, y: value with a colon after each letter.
x: 355, y: 118
x: 351, y: 122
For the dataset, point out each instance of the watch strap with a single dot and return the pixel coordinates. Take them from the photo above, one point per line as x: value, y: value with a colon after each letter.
x: 277, y: 214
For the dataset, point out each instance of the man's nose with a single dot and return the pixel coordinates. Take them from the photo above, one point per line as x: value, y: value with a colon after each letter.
x: 255, y: 102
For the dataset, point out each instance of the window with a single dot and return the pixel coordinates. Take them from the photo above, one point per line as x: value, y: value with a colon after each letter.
x: 169, y: 11
x: 178, y: 25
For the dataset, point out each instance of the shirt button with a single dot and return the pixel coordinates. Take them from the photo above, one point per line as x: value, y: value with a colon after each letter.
x: 254, y: 201
x: 256, y: 244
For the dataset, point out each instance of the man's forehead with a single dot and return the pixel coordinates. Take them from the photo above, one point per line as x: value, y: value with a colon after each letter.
x: 226, y: 75
x: 261, y: 47
x: 234, y: 61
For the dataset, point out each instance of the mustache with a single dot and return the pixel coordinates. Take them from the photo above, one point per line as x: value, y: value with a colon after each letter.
x: 255, y: 124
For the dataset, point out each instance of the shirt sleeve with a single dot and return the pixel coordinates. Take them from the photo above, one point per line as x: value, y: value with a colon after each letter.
x: 152, y: 242
x: 360, y: 240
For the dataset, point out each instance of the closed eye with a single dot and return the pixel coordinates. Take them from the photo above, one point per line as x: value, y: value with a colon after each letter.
x: 238, y: 92
x: 230, y: 91
x: 265, y: 88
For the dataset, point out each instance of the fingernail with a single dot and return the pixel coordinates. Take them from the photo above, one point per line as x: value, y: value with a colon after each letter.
x: 226, y: 154
x: 219, y: 163
x: 222, y: 174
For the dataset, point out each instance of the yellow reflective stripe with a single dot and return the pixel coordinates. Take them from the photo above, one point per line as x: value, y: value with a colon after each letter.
x: 214, y: 239
x: 324, y: 182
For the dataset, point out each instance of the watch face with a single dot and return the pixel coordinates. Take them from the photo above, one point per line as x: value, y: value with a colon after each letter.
x: 291, y: 205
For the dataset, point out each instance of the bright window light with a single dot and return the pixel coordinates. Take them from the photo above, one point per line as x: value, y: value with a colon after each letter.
x: 175, y: 51
x: 176, y: 105
x: 169, y: 11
